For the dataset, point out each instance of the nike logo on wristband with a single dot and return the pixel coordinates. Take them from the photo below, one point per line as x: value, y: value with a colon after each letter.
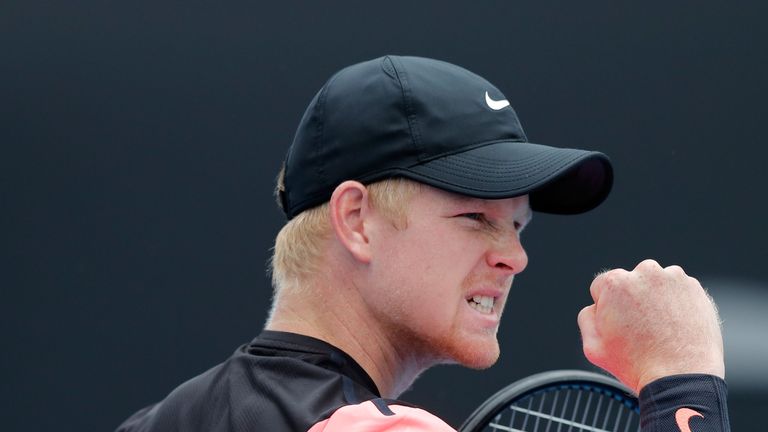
x: 683, y: 415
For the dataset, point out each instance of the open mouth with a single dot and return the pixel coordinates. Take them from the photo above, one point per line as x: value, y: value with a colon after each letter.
x: 482, y: 304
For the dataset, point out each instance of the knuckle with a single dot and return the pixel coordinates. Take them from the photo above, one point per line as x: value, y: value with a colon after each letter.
x: 675, y: 269
x: 692, y: 281
x: 616, y: 278
x: 677, y: 272
x: 648, y: 265
x: 611, y: 277
x: 608, y: 282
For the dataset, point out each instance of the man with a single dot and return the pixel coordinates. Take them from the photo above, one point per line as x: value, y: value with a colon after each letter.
x: 406, y: 189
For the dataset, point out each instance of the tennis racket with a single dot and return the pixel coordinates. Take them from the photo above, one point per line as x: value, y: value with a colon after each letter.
x: 558, y: 401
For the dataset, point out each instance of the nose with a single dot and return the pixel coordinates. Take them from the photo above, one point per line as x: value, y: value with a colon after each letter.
x: 508, y: 255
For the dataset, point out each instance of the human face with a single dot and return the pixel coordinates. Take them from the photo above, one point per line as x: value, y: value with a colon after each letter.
x: 427, y: 278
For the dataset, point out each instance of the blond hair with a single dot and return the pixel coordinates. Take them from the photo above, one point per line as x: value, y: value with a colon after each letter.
x: 300, y: 243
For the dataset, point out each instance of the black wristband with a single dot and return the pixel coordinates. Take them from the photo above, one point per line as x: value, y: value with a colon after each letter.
x: 687, y: 402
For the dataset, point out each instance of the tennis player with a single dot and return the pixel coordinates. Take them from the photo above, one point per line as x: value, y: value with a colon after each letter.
x: 406, y: 189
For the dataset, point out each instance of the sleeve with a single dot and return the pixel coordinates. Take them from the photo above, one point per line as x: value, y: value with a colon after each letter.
x: 685, y: 403
x: 378, y: 415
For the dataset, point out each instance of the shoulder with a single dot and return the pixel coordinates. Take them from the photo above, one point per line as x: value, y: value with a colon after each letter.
x: 381, y: 415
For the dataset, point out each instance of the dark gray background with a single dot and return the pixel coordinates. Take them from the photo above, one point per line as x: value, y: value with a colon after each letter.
x: 140, y: 141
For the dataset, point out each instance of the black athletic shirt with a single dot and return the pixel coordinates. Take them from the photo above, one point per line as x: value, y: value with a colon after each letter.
x: 289, y: 382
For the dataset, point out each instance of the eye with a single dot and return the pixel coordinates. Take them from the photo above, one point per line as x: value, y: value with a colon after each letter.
x: 479, y: 220
x: 479, y: 217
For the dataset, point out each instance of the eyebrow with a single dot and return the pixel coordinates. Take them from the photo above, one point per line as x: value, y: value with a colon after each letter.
x: 465, y: 199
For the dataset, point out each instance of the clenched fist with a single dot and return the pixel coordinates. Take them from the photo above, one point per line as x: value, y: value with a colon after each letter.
x: 650, y: 323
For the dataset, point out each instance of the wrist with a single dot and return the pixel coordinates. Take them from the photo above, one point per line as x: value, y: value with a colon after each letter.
x: 717, y: 370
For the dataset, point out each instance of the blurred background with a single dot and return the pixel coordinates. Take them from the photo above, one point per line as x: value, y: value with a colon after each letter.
x: 140, y: 142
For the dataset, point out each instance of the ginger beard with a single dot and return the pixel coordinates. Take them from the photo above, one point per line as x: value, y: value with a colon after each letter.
x: 446, y: 329
x: 467, y: 343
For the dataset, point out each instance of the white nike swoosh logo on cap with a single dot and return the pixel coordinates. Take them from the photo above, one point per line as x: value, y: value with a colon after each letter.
x: 496, y: 104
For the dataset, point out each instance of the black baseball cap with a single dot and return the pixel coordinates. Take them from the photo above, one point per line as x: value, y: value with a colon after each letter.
x: 438, y: 124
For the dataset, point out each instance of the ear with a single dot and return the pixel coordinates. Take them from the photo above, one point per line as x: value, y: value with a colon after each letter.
x: 349, y: 209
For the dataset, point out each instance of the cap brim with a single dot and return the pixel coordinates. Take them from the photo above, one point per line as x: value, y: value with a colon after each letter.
x: 558, y: 180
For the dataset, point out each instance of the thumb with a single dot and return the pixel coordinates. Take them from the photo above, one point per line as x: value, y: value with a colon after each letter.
x: 590, y: 339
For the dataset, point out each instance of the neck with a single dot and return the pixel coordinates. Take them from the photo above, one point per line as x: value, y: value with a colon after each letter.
x: 335, y: 314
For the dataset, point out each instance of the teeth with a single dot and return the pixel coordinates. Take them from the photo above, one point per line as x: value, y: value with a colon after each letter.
x: 482, y: 304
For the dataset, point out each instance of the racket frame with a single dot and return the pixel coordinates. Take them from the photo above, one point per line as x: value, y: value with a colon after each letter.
x: 527, y: 386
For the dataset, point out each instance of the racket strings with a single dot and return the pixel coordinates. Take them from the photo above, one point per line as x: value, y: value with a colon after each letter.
x: 568, y: 409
